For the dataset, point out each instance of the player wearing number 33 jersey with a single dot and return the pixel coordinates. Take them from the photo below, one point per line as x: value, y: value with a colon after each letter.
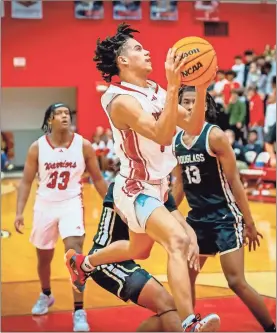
x: 60, y: 158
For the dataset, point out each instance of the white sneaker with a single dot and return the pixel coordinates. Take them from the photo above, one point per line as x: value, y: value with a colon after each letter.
x: 210, y: 323
x: 80, y: 323
x: 43, y: 304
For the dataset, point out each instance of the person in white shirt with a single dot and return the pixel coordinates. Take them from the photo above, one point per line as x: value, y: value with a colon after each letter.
x: 239, y: 67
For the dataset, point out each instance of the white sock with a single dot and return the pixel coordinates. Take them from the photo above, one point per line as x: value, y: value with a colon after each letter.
x: 86, y: 265
x: 188, y: 321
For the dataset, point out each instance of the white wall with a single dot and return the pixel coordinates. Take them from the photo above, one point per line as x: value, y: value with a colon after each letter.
x: 24, y: 108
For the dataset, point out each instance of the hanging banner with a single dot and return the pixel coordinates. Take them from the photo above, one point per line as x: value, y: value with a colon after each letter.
x: 2, y: 8
x: 93, y: 10
x: 127, y: 10
x: 164, y: 10
x: 206, y: 10
x: 27, y: 9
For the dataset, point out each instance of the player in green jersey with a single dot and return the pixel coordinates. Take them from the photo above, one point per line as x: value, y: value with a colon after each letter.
x: 220, y: 214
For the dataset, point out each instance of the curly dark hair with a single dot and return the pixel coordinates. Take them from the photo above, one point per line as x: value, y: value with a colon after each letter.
x: 48, y: 114
x: 211, y: 115
x: 109, y: 49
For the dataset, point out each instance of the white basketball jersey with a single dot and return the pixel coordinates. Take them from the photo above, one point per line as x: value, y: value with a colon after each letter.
x: 140, y: 157
x: 60, y: 170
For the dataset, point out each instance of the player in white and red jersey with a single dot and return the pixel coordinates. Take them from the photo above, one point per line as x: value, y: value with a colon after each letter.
x: 144, y: 118
x: 60, y: 158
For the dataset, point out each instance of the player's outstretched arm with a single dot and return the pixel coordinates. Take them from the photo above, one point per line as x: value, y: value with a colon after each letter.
x: 126, y: 112
x: 220, y: 146
x: 93, y: 169
x: 30, y: 170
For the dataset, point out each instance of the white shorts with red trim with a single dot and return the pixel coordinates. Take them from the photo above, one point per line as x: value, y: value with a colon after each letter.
x: 51, y: 220
x: 125, y: 193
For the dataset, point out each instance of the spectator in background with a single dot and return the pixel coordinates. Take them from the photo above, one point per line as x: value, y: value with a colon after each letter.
x: 253, y: 148
x: 272, y: 97
x: 229, y: 86
x: 237, y: 113
x: 218, y: 87
x: 217, y: 93
x: 248, y: 58
x: 6, y: 165
x: 270, y: 71
x: 270, y: 116
x: 110, y: 143
x: 270, y: 142
x: 260, y: 61
x: 239, y: 68
x: 256, y: 112
x: 238, y: 150
x: 254, y: 75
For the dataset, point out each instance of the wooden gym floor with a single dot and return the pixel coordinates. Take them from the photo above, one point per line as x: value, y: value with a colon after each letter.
x: 20, y: 284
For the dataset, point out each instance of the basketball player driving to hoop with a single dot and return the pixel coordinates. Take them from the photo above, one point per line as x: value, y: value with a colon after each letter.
x: 143, y: 119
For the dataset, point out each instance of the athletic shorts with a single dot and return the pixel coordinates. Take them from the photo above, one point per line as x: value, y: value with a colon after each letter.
x: 52, y: 220
x: 218, y: 237
x: 136, y: 200
x: 125, y: 280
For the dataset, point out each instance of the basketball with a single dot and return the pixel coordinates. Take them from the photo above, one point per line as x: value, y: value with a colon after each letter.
x: 201, y: 63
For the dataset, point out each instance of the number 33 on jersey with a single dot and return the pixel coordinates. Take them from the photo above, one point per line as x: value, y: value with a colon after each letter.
x: 60, y: 170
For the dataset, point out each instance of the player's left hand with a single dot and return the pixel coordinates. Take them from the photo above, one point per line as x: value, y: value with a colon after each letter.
x: 251, y: 236
x: 193, y: 255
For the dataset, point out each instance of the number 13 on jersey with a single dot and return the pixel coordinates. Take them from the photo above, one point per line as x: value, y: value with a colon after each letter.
x: 193, y: 174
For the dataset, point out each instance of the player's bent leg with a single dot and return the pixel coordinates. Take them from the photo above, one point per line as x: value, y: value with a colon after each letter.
x: 193, y: 275
x: 128, y: 281
x: 138, y: 248
x: 156, y: 298
x: 233, y: 267
x: 45, y: 299
x: 80, y: 323
x: 162, y: 227
x: 152, y: 324
x: 166, y: 230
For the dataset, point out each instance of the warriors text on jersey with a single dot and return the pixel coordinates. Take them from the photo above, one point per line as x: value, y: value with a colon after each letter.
x: 205, y: 185
x: 60, y: 170
x: 140, y: 158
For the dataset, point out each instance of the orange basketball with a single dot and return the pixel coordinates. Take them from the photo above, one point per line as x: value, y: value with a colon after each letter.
x: 201, y: 60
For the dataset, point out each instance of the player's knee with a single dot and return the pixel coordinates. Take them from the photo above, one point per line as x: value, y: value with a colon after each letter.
x: 141, y: 255
x: 236, y: 283
x: 164, y: 302
x: 178, y: 243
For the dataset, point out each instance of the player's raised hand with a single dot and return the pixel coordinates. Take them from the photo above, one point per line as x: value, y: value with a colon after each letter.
x: 19, y: 223
x: 173, y: 67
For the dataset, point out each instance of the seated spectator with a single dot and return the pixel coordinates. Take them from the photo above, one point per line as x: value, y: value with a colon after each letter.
x: 253, y: 148
x: 238, y: 68
x: 256, y: 112
x: 237, y: 113
x: 238, y: 150
x: 270, y: 142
